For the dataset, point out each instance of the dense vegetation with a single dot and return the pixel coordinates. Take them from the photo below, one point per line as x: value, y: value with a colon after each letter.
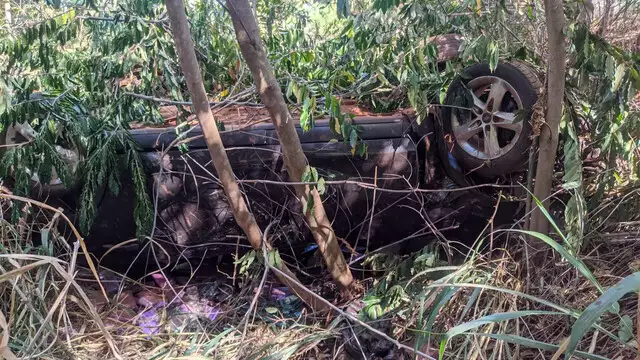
x: 91, y: 63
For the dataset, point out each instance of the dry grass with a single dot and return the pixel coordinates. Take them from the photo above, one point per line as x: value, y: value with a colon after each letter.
x: 46, y: 313
x: 554, y: 280
x: 498, y: 282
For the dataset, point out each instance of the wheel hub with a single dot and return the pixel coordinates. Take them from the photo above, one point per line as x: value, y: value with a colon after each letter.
x: 489, y: 130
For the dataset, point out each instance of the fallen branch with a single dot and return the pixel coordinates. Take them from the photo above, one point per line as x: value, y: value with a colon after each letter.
x: 345, y: 314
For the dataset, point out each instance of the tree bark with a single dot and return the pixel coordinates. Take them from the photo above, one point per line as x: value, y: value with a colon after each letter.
x: 548, y: 141
x: 248, y: 35
x: 193, y: 77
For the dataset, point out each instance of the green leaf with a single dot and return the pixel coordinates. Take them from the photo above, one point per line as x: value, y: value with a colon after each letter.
x: 494, y: 56
x: 308, y: 205
x: 385, y: 5
x: 530, y: 12
x: 307, y: 175
x: 432, y: 52
x: 443, y: 95
x: 363, y: 150
x: 274, y: 258
x: 271, y: 310
x: 493, y: 318
x: 592, y: 313
x: 306, y: 116
x: 321, y: 186
x: 620, y: 71
x: 246, y: 260
x: 345, y: 130
x: 353, y: 138
x: 374, y: 311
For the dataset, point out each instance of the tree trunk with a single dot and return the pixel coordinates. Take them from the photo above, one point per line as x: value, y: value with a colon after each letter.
x: 248, y: 35
x: 548, y: 141
x: 193, y: 77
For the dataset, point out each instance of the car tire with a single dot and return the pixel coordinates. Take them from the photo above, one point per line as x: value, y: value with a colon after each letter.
x: 494, y: 137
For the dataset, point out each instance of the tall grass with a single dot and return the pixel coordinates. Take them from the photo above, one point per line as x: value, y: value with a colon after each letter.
x: 489, y: 309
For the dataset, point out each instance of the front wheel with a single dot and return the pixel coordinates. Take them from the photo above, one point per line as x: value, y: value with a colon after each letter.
x: 486, y: 117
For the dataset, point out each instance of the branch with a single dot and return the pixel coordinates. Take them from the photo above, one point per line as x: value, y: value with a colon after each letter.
x: 373, y: 186
x: 161, y: 20
x: 347, y: 315
x: 189, y: 103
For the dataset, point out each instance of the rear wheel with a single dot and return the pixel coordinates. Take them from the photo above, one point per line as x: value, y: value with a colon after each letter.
x: 485, y: 119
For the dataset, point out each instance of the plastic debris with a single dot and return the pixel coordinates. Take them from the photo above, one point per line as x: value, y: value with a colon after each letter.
x: 149, y: 321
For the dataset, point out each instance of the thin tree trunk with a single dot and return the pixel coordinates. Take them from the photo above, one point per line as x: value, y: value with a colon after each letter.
x: 248, y: 35
x: 193, y: 77
x: 548, y: 142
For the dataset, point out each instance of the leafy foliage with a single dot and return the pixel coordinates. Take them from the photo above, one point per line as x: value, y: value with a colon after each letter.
x: 88, y: 61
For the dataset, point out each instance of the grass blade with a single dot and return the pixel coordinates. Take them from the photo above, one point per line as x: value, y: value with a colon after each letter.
x: 577, y: 263
x: 214, y: 342
x: 470, y: 302
x: 519, y: 340
x: 493, y: 318
x: 593, y: 312
x: 561, y: 309
x: 547, y: 215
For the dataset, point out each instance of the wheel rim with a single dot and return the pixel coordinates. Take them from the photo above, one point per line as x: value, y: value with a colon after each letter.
x: 489, y: 130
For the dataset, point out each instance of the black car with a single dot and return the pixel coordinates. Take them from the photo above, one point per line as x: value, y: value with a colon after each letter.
x: 409, y: 163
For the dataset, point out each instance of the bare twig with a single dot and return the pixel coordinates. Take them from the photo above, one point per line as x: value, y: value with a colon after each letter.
x: 373, y: 186
x: 373, y: 206
x: 189, y: 103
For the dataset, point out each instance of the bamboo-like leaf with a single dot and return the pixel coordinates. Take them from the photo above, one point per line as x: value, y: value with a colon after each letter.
x: 443, y: 299
x: 592, y: 313
x: 305, y: 116
x: 211, y: 345
x: 493, y: 318
x: 577, y: 263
